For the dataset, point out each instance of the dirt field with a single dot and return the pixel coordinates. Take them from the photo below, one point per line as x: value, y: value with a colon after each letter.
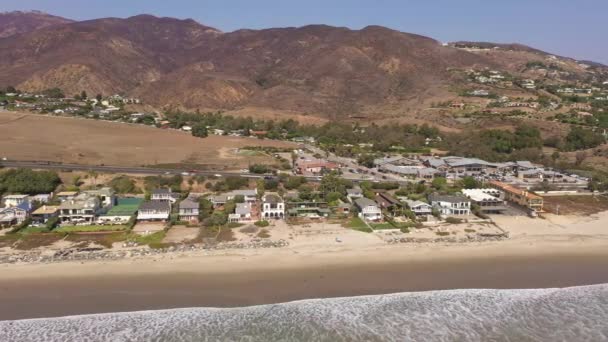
x: 575, y: 205
x: 83, y: 141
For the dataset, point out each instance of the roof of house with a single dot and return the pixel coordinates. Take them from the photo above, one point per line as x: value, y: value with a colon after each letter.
x: 271, y: 198
x: 161, y: 191
x: 106, y: 191
x: 365, y: 202
x: 242, y: 208
x: 448, y: 198
x: 15, y: 196
x: 246, y: 192
x: 46, y: 210
x: 79, y: 202
x: 155, y: 205
x: 412, y: 204
x: 188, y: 204
x: 25, y: 205
x: 511, y: 189
x: 480, y: 195
x: 354, y: 191
x: 67, y: 193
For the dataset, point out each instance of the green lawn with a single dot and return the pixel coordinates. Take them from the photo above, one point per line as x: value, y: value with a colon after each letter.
x: 384, y: 225
x: 358, y: 224
x: 154, y: 240
x: 250, y: 153
x: 93, y: 228
x: 30, y: 230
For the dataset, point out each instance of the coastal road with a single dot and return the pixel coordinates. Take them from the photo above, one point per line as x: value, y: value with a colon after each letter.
x: 46, y: 165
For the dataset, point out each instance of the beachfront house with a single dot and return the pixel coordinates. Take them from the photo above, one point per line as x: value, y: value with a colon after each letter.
x: 44, y: 213
x: 418, y: 207
x: 106, y: 195
x: 368, y: 209
x: 80, y: 209
x: 489, y: 201
x: 122, y: 212
x: 451, y: 205
x: 188, y: 210
x: 15, y: 215
x: 273, y: 207
x: 154, y: 211
x: 242, y: 213
x: 249, y: 196
x: 524, y: 198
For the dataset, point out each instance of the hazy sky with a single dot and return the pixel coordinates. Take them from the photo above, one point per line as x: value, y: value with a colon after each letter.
x: 574, y: 28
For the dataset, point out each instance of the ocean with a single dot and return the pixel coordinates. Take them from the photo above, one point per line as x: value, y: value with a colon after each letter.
x: 568, y: 314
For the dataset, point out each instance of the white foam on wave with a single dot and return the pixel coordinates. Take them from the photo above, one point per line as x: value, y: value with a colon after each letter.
x: 571, y: 314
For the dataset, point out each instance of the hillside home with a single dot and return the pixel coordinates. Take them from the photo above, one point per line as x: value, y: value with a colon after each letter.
x: 273, y: 207
x: 451, y: 205
x: 188, y: 210
x: 154, y: 211
x: 368, y: 209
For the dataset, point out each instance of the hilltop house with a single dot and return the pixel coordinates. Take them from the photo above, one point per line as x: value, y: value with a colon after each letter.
x: 272, y: 207
x: 368, y: 209
x: 188, y: 210
x: 451, y: 204
x: 154, y: 211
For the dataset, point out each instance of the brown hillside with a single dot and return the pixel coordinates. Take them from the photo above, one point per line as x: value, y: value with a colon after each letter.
x: 12, y: 23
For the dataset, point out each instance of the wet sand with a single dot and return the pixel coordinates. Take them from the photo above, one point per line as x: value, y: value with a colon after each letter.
x: 252, y: 284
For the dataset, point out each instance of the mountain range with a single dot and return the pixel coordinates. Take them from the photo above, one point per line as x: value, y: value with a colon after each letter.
x: 318, y: 70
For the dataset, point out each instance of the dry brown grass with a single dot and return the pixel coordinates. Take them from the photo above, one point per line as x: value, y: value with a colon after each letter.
x: 83, y: 141
x: 576, y: 205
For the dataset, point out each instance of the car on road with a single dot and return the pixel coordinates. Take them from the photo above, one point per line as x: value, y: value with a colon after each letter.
x: 185, y: 174
x: 244, y: 171
x: 217, y: 175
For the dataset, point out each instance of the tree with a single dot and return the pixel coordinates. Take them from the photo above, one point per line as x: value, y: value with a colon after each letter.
x: 439, y: 183
x: 261, y: 187
x: 259, y: 168
x: 99, y: 97
x: 366, y: 160
x: 26, y: 181
x: 200, y: 130
x: 123, y: 185
x: 205, y: 209
x: 83, y: 95
x: 469, y: 182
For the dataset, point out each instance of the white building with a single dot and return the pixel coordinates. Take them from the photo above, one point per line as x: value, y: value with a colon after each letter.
x: 15, y: 200
x: 418, y: 207
x: 368, y: 209
x: 154, y: 211
x: 242, y: 213
x: 273, y: 207
x: 164, y: 195
x: 451, y: 204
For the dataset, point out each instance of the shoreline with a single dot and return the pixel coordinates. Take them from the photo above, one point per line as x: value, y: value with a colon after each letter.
x: 235, y: 278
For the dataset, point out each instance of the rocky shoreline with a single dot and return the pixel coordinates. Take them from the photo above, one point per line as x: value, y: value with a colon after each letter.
x: 99, y: 253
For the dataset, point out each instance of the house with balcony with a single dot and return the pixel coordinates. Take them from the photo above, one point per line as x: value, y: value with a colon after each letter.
x: 154, y: 211
x: 15, y: 200
x: 44, y: 213
x: 15, y: 215
x: 418, y: 207
x: 188, y: 210
x: 273, y: 207
x: 489, y: 201
x: 242, y: 213
x: 451, y: 205
x: 368, y: 209
x: 81, y: 209
x: 164, y: 195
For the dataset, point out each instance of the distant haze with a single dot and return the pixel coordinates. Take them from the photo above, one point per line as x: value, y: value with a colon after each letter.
x: 570, y: 28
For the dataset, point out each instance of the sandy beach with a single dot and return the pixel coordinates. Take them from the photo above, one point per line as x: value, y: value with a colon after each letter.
x: 558, y: 251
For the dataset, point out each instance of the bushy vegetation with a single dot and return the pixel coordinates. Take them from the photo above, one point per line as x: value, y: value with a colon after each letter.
x: 123, y: 185
x: 27, y: 181
x: 580, y: 138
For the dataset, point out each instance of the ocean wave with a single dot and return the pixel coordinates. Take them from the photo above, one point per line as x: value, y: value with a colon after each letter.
x: 570, y: 314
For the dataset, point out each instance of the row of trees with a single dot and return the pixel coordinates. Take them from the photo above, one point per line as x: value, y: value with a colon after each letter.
x: 26, y: 181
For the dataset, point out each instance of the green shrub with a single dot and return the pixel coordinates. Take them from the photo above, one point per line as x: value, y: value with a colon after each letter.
x: 262, y: 223
x: 453, y: 220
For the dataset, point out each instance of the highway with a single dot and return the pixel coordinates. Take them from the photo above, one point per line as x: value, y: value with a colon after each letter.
x: 118, y: 169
